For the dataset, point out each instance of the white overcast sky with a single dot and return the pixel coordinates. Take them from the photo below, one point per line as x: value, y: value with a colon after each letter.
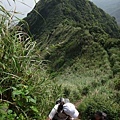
x: 22, y: 6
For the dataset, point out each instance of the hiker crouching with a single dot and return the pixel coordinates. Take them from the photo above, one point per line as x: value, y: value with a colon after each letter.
x: 63, y: 111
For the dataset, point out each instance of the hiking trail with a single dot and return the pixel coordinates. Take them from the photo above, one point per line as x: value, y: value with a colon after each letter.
x: 78, y: 103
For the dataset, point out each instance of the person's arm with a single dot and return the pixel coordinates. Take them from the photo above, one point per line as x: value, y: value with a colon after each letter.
x: 53, y: 112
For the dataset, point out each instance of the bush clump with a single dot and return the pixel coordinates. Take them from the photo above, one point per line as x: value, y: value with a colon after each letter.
x: 94, y: 103
x: 117, y: 84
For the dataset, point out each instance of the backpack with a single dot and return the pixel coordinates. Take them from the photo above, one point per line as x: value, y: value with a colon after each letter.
x: 104, y: 115
x: 61, y: 102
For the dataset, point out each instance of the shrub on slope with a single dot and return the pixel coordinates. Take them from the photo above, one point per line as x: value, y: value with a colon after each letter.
x: 25, y: 89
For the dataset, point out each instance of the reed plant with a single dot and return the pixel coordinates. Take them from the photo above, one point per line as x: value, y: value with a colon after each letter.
x: 26, y: 91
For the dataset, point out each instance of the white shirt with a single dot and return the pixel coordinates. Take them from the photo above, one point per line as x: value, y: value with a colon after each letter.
x: 53, y: 114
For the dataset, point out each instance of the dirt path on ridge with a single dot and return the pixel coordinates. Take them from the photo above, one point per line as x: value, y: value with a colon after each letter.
x: 78, y: 103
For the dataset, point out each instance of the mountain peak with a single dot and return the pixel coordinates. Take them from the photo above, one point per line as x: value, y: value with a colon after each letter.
x: 50, y: 13
x: 64, y: 27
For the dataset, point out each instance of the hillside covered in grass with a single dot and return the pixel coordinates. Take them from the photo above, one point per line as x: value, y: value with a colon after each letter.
x: 63, y: 28
x: 110, y: 6
x: 82, y: 45
x: 67, y: 48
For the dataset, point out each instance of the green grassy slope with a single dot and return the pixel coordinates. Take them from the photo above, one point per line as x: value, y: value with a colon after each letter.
x: 82, y: 46
x: 81, y: 13
x: 64, y: 29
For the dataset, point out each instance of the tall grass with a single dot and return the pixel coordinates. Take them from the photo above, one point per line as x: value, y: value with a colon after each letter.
x: 91, y: 81
x: 26, y: 91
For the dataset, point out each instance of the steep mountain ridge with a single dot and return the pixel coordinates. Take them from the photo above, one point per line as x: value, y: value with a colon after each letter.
x: 81, y: 12
x: 82, y: 47
x: 64, y: 27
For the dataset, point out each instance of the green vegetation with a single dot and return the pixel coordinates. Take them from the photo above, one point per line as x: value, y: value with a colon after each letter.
x: 82, y: 45
x: 26, y: 92
x: 76, y: 45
